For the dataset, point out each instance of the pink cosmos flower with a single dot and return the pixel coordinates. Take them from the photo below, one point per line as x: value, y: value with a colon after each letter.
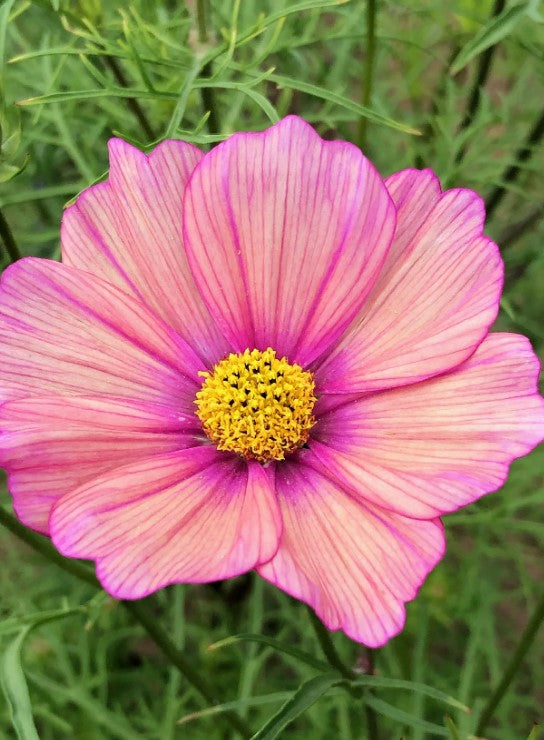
x: 264, y: 357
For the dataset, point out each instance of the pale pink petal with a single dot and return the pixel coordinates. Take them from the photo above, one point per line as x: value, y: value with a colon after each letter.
x: 434, y: 300
x: 64, y: 331
x: 430, y: 448
x: 128, y: 231
x: 408, y: 188
x: 355, y: 564
x: 50, y: 445
x: 191, y: 516
x: 286, y: 234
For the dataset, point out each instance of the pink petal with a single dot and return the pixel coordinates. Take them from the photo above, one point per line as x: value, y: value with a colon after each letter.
x: 430, y: 448
x: 354, y: 563
x: 52, y: 444
x: 435, y: 299
x: 128, y: 231
x: 286, y: 235
x: 63, y: 331
x: 190, y: 516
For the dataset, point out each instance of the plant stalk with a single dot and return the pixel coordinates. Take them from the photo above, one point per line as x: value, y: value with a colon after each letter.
x: 511, y: 173
x: 141, y: 614
x: 371, y: 717
x: 511, y: 669
x: 132, y: 103
x: 514, y: 232
x: 328, y: 648
x: 481, y: 78
x: 206, y: 93
x: 8, y: 240
x: 336, y: 662
x: 368, y: 76
x: 137, y: 609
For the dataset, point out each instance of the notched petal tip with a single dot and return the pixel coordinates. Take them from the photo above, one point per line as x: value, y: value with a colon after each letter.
x: 436, y: 296
x: 355, y: 564
x: 128, y: 231
x: 259, y: 209
x: 429, y: 448
x: 190, y: 516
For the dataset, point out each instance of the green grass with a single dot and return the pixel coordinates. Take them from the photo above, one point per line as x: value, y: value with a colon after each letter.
x: 72, y: 74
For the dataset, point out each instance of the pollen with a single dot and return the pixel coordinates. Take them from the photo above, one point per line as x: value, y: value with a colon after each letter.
x: 257, y: 405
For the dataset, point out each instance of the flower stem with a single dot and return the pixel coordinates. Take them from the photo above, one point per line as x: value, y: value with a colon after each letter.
x: 138, y: 610
x: 511, y: 669
x: 141, y: 613
x: 133, y: 104
x: 327, y: 645
x: 8, y: 240
x: 481, y: 78
x: 371, y: 717
x: 201, y: 21
x: 368, y: 76
x: 514, y: 232
x: 511, y: 173
x: 42, y: 545
x: 206, y: 93
x: 335, y: 661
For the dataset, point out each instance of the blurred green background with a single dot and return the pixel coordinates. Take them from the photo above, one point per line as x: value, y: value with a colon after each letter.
x: 455, y: 86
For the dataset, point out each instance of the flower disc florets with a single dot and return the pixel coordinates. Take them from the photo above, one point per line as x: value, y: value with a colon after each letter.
x: 257, y: 405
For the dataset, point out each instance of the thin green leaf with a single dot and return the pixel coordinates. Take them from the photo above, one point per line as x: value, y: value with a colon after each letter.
x: 15, y: 688
x: 496, y: 30
x: 94, y: 93
x: 5, y: 11
x: 116, y: 724
x: 251, y: 701
x: 452, y: 728
x: 275, y: 645
x: 508, y: 308
x: 347, y: 103
x: 9, y: 171
x: 391, y: 712
x: 119, y: 92
x: 52, y: 191
x: 135, y: 55
x: 535, y: 733
x: 261, y: 101
x: 182, y: 97
x: 303, y: 698
x: 269, y: 20
x: 12, y: 677
x: 377, y: 682
x: 17, y: 624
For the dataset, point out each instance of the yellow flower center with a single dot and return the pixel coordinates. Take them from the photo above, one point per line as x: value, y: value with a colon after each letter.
x: 257, y: 405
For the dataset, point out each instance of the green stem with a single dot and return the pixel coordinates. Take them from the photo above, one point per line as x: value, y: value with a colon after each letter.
x: 368, y: 76
x: 201, y: 21
x: 8, y: 240
x: 206, y: 93
x: 335, y: 661
x: 137, y: 609
x: 327, y: 645
x: 514, y: 232
x: 511, y: 669
x: 140, y: 612
x: 208, y: 101
x: 436, y: 98
x: 511, y: 173
x: 481, y: 78
x: 42, y: 545
x: 132, y: 103
x: 371, y: 717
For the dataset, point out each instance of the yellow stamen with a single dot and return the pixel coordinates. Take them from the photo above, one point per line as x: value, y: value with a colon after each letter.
x: 257, y: 405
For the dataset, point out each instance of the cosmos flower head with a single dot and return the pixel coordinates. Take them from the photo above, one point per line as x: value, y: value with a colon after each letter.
x: 264, y: 357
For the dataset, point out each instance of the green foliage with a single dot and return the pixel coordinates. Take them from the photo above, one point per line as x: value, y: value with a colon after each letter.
x: 72, y: 74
